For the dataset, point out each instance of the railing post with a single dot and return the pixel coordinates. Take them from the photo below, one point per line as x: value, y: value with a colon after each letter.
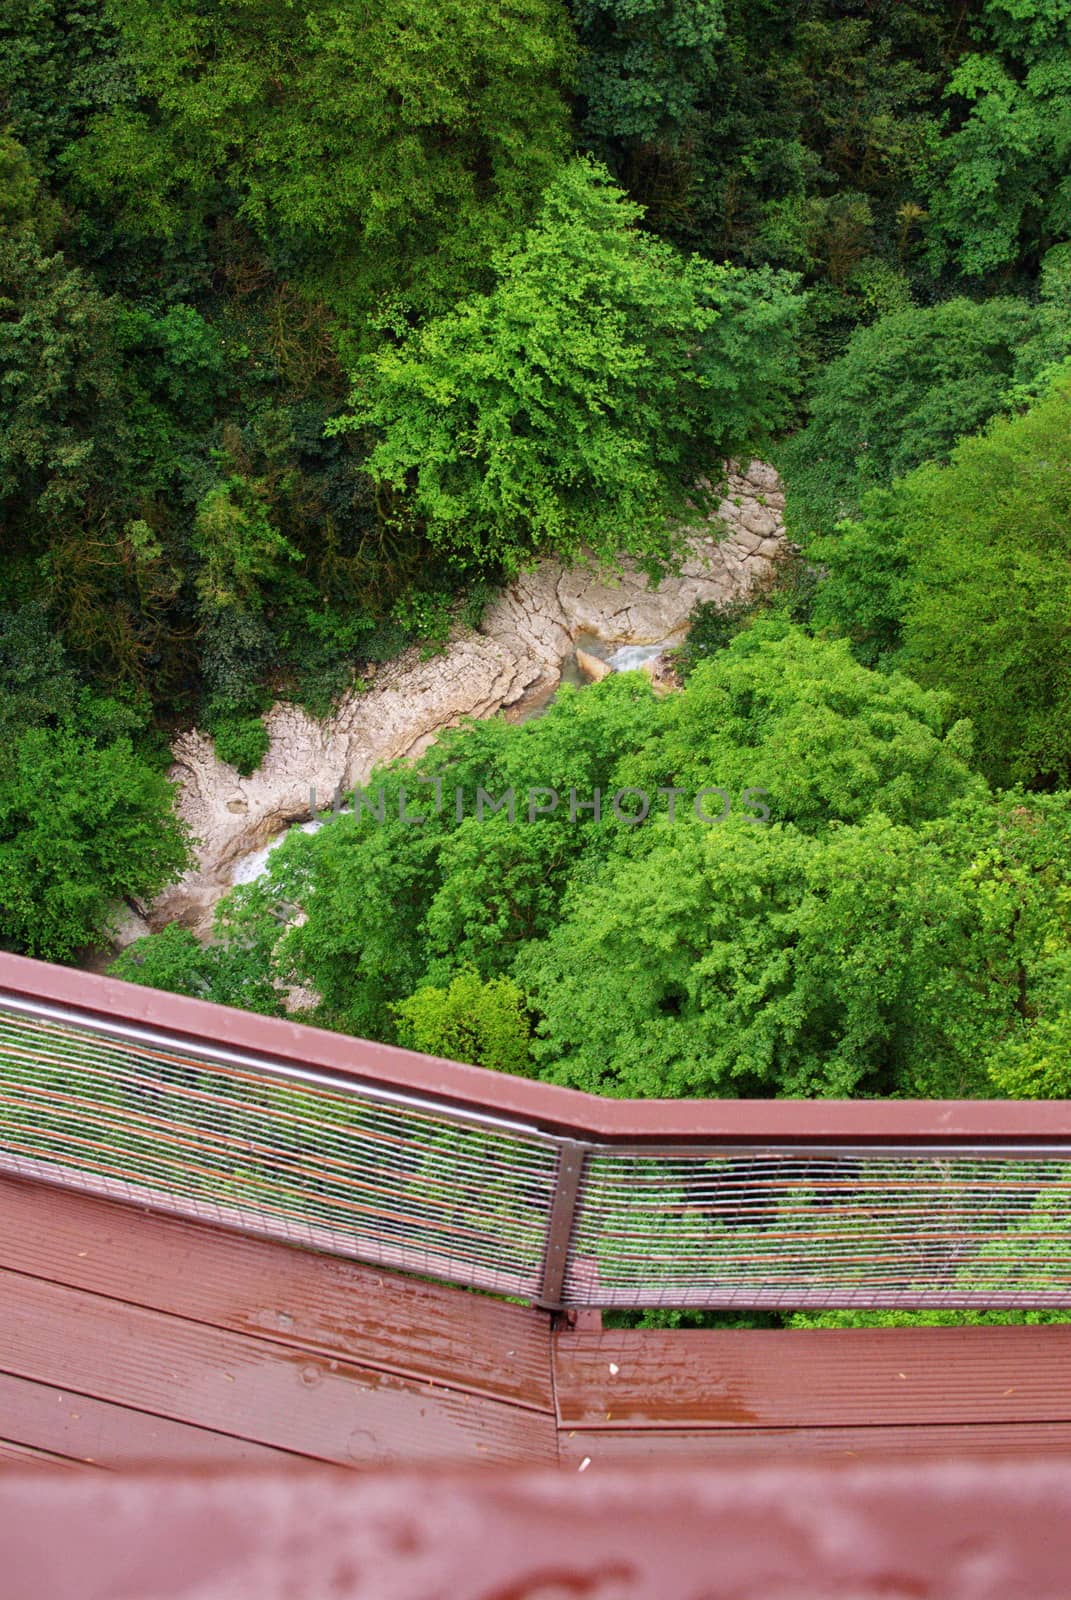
x: 567, y: 1179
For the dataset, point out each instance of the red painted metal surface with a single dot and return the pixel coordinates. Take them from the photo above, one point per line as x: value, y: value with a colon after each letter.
x: 767, y: 1379
x: 272, y: 1394
x: 130, y: 1337
x: 66, y: 1427
x: 977, y: 1441
x: 464, y: 1176
x: 924, y: 1531
x: 127, y: 1337
x: 289, y: 1297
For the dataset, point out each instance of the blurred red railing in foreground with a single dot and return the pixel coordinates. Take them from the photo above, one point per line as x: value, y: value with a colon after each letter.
x: 751, y: 1531
x: 522, y: 1188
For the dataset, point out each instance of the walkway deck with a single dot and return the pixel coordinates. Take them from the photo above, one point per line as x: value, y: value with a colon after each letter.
x: 128, y: 1337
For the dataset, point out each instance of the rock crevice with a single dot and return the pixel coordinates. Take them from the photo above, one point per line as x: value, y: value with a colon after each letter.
x: 516, y: 655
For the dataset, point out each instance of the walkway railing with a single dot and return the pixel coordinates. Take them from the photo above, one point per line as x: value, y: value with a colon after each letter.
x: 521, y: 1188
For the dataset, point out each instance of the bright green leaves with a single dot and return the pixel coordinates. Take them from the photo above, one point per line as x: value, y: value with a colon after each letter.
x: 735, y: 960
x: 905, y: 390
x: 821, y: 736
x: 84, y: 818
x: 1027, y: 29
x: 575, y: 404
x: 1033, y: 1061
x: 80, y: 826
x: 870, y: 959
x: 988, y: 587
x: 960, y: 574
x: 481, y: 1023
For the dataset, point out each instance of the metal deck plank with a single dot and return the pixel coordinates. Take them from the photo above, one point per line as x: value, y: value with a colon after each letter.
x: 26, y: 1460
x: 89, y: 1432
x: 812, y: 1378
x: 713, y: 1446
x: 251, y: 1388
x: 283, y: 1293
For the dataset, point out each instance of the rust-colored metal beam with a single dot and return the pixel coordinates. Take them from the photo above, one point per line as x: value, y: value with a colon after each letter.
x: 567, y: 1182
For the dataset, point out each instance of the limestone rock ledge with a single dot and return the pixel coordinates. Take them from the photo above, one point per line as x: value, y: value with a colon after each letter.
x: 526, y: 634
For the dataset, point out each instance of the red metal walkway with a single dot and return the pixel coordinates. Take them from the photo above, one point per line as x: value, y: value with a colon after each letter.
x: 128, y: 1337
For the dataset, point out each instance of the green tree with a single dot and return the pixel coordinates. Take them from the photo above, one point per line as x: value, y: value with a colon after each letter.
x: 864, y: 959
x: 58, y: 66
x: 999, y: 190
x: 81, y: 826
x: 37, y: 686
x: 747, y: 960
x: 360, y: 890
x: 85, y: 818
x: 907, y: 388
x: 1033, y: 1061
x: 375, y: 149
x: 241, y: 556
x: 864, y: 582
x: 98, y: 412
x: 643, y: 64
x: 501, y: 886
x: 577, y: 403
x: 804, y: 151
x: 986, y: 597
x: 61, y: 422
x: 820, y: 737
x: 483, y: 1023
x: 227, y: 972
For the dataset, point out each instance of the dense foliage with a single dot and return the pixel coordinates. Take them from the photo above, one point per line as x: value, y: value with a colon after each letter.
x: 906, y: 389
x: 960, y: 573
x: 319, y: 319
x: 585, y: 394
x: 795, y: 884
x: 217, y: 222
x: 85, y: 819
x: 372, y: 150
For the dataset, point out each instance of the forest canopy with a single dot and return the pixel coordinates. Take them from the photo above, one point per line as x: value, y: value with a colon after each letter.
x: 888, y: 927
x: 320, y: 320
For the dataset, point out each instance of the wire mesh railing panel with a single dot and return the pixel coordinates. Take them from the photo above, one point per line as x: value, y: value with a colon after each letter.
x: 793, y: 1229
x: 397, y: 1185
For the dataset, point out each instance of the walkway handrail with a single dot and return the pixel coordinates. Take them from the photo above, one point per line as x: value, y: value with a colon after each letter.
x: 526, y: 1188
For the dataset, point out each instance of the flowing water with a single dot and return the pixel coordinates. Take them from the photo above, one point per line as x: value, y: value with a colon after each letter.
x: 624, y: 658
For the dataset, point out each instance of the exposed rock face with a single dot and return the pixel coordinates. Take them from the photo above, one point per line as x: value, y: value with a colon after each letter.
x: 525, y: 636
x: 592, y: 667
x: 662, y: 673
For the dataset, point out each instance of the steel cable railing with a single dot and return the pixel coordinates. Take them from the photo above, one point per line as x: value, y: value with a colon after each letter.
x: 519, y: 1188
x: 896, y: 1227
x: 395, y: 1184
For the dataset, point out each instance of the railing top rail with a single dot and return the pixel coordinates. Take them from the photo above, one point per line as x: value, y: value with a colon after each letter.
x: 555, y: 1110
